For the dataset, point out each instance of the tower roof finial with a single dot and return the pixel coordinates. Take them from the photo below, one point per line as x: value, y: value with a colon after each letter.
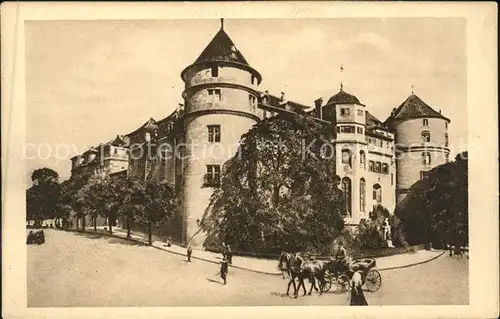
x: 222, y: 23
x: 412, y: 88
x: 341, y: 71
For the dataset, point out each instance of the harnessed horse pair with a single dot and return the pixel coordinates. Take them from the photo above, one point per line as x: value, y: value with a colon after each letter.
x: 296, y: 267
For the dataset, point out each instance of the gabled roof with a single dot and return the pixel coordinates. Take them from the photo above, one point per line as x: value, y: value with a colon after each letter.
x: 372, y: 121
x: 413, y: 107
x: 343, y: 98
x: 149, y: 125
x: 118, y: 141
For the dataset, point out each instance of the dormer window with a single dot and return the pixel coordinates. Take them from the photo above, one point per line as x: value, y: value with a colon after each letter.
x: 215, y: 72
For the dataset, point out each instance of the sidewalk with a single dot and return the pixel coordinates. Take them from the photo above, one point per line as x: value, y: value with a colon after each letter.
x: 268, y: 266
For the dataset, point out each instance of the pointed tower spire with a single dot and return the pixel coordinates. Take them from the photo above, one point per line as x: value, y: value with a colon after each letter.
x: 222, y: 24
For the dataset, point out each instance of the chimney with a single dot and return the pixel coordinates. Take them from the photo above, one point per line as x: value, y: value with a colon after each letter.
x: 319, y: 107
x: 439, y: 111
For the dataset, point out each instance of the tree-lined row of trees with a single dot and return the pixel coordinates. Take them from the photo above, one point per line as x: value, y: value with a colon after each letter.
x: 144, y: 203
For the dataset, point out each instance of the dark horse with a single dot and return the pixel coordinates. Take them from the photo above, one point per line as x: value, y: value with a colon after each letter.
x: 297, y: 268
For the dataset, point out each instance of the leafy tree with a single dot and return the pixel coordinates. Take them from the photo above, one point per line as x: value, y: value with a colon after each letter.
x: 152, y: 202
x: 72, y: 199
x: 436, y: 208
x: 104, y: 196
x: 280, y: 190
x: 43, y: 197
x: 370, y: 231
x: 45, y: 176
x: 132, y: 201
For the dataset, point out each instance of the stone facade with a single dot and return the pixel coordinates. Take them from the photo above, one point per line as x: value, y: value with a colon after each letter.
x: 222, y: 101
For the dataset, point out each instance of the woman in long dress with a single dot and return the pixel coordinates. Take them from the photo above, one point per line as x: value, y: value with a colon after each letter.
x: 357, y: 295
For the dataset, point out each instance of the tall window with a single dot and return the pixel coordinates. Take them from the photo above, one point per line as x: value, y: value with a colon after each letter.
x: 252, y: 101
x: 425, y: 122
x: 447, y: 156
x: 346, y: 189
x: 215, y: 71
x: 346, y: 157
x: 370, y: 166
x: 359, y: 130
x: 377, y: 193
x: 362, y: 195
x: 213, y: 133
x: 392, y: 179
x: 214, y: 95
x: 426, y: 158
x: 446, y: 139
x: 378, y: 167
x: 253, y: 79
x: 426, y: 136
x: 362, y: 159
x: 212, y: 177
x: 445, y: 124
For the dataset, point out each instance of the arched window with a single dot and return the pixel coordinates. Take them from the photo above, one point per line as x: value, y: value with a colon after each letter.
x: 346, y: 189
x: 362, y: 194
x: 377, y: 193
x: 362, y: 159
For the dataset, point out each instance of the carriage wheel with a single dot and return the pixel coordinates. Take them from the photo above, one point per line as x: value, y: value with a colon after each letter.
x: 328, y: 283
x: 373, y: 280
x: 343, y: 283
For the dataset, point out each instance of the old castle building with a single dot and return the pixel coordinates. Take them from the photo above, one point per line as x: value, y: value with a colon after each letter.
x: 376, y: 161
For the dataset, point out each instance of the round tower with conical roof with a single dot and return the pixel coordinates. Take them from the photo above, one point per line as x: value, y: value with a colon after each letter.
x: 220, y: 106
x: 421, y: 141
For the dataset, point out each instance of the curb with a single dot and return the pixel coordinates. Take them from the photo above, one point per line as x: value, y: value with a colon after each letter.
x: 414, y: 264
x: 237, y: 267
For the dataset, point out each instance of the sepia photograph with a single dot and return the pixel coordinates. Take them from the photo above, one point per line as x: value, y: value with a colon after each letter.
x: 230, y: 161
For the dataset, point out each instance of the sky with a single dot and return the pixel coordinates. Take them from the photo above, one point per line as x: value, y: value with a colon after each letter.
x: 87, y: 81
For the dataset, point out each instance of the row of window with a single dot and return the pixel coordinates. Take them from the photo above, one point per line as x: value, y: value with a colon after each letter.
x: 347, y: 191
x: 426, y: 137
x: 373, y: 166
x: 378, y: 167
x: 215, y: 74
x: 378, y: 142
x: 425, y: 122
x: 215, y: 95
x: 351, y: 129
x: 344, y: 111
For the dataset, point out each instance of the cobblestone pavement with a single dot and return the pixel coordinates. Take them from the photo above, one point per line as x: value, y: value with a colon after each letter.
x: 73, y: 269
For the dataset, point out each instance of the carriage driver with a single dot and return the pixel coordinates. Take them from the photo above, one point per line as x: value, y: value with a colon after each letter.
x: 340, y: 257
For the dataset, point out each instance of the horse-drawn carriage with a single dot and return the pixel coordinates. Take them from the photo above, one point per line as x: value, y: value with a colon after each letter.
x: 36, y: 237
x: 372, y: 279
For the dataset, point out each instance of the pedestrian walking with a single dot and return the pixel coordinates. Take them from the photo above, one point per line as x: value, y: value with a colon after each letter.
x: 224, y: 269
x: 229, y: 254
x: 224, y: 250
x: 357, y: 295
x: 189, y: 252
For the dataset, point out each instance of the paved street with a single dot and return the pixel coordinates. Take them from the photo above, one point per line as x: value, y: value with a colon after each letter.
x: 73, y: 269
